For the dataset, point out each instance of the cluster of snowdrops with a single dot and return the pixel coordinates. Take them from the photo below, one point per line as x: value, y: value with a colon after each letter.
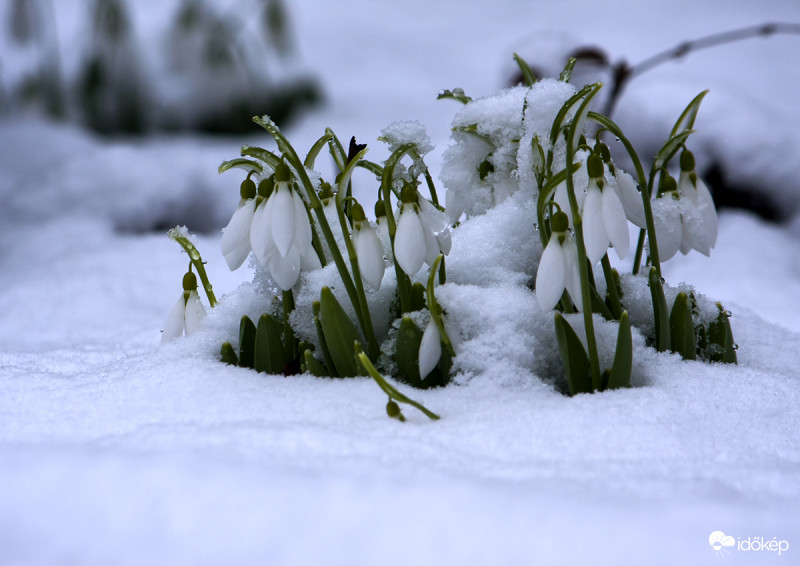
x: 348, y: 295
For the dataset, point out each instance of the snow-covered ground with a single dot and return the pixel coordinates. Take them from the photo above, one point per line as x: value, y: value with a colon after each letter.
x: 116, y: 450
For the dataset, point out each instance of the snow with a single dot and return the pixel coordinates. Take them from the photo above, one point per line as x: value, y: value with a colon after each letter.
x: 115, y: 449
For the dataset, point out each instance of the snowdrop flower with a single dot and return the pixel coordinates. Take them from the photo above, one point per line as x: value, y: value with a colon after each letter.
x: 604, y: 219
x: 187, y: 314
x: 684, y: 214
x: 422, y: 232
x: 629, y: 196
x: 667, y: 221
x: 369, y: 249
x: 236, y: 235
x: 558, y: 267
x: 280, y: 232
x: 430, y: 349
x: 700, y: 224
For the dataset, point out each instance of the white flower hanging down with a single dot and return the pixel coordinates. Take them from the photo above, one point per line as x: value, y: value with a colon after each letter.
x: 187, y: 314
x: 422, y: 232
x: 604, y: 220
x: 558, y: 267
x: 280, y: 234
x: 369, y: 249
x: 684, y: 214
x: 430, y: 349
x: 236, y: 235
x: 700, y: 224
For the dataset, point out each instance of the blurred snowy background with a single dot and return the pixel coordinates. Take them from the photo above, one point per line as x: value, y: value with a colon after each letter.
x: 113, y: 450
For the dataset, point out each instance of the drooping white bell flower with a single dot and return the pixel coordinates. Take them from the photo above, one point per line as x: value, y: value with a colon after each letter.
x: 630, y: 197
x: 280, y: 233
x: 700, y: 224
x: 188, y: 313
x: 437, y: 223
x: 410, y: 247
x: 430, y: 349
x: 558, y: 267
x: 235, y: 243
x: 604, y: 222
x: 684, y: 214
x: 369, y: 249
x: 667, y: 221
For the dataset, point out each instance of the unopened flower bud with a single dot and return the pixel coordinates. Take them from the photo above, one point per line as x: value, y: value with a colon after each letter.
x: 393, y: 410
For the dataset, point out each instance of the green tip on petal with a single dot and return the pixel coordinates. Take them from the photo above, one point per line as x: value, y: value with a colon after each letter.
x: 190, y: 282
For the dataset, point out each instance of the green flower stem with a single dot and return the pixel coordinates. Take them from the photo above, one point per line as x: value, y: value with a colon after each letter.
x: 643, y: 182
x: 391, y: 391
x: 403, y: 280
x: 179, y: 236
x: 611, y: 287
x: 316, y: 205
x: 290, y: 341
x: 434, y: 307
x: 364, y: 319
x: 428, y: 179
x: 583, y: 265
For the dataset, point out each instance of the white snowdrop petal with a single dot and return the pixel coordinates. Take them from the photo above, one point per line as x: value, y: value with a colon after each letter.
x: 431, y: 243
x: 261, y: 233
x: 430, y: 349
x: 669, y: 229
x: 235, y: 258
x: 173, y: 326
x: 282, y: 219
x: 445, y: 240
x: 370, y: 256
x: 550, y: 276
x: 572, y: 274
x: 708, y: 213
x: 409, y: 242
x: 595, y: 237
x: 310, y: 261
x: 616, y: 222
x: 285, y: 270
x: 236, y: 234
x: 302, y: 226
x: 631, y: 198
x: 195, y: 313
